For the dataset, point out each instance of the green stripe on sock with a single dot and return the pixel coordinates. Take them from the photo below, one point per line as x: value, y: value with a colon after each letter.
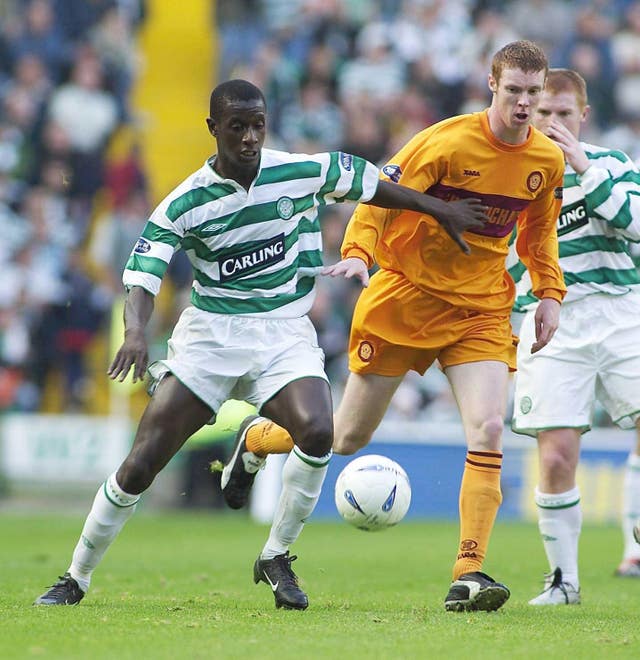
x: 559, y: 506
x: 312, y: 461
x: 121, y: 506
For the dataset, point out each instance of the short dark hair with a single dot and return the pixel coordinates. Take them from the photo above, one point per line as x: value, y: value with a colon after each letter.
x: 523, y: 54
x: 233, y: 90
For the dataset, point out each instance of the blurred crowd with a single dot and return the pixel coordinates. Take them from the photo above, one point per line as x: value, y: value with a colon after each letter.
x: 361, y: 76
x: 66, y: 71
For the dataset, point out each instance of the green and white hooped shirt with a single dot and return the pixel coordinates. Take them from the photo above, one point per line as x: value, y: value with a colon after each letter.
x: 600, y: 215
x: 254, y: 252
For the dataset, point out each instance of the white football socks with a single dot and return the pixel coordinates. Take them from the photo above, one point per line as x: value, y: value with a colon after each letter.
x: 631, y: 506
x: 560, y: 524
x: 302, y: 478
x: 111, y: 509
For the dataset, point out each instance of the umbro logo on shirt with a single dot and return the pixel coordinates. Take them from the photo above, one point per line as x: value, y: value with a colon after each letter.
x: 213, y: 227
x: 471, y: 172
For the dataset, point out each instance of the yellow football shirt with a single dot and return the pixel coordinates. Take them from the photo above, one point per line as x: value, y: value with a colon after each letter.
x: 460, y: 158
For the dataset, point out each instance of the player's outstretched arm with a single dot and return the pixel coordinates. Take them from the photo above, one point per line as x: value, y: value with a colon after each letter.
x: 455, y: 217
x: 134, y: 350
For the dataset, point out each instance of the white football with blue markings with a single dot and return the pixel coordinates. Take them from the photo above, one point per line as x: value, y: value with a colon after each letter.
x: 373, y: 492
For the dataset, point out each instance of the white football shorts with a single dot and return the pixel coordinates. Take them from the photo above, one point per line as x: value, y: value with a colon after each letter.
x: 594, y: 355
x: 221, y: 356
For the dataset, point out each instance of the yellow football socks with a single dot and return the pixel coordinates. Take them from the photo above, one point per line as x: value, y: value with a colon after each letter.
x: 268, y: 438
x: 480, y: 498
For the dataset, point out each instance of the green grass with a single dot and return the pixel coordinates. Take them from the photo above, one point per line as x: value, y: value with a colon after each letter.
x: 179, y: 585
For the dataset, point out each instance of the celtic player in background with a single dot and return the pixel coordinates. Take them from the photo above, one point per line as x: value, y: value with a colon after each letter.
x: 595, y: 354
x: 248, y: 222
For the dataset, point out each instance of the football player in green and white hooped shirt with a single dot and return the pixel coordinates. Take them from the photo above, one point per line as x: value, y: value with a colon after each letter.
x: 595, y: 354
x: 248, y: 221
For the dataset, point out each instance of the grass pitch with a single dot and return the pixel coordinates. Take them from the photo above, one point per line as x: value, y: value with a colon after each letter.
x: 179, y: 585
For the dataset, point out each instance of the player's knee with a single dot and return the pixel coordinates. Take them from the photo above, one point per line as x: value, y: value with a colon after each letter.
x: 349, y: 442
x: 491, y: 431
x: 316, y: 437
x: 555, y: 466
x: 135, y: 475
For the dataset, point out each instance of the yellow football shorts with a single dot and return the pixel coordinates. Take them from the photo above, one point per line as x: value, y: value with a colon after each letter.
x: 397, y: 327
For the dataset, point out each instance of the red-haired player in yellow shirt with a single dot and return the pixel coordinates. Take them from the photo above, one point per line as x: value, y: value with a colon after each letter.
x: 429, y: 301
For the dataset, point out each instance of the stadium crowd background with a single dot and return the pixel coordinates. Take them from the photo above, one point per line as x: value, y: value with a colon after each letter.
x: 361, y: 76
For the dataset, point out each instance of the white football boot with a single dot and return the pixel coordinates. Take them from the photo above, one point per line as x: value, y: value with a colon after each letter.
x: 557, y: 592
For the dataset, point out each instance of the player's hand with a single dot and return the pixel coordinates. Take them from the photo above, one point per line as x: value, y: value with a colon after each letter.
x: 460, y: 215
x: 348, y: 268
x: 547, y: 318
x: 133, y: 353
x: 574, y: 154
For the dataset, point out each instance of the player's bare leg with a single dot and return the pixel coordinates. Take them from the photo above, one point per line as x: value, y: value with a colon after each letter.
x: 364, y: 403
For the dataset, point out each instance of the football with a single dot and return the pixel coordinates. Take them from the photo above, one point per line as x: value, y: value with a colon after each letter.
x: 372, y: 493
